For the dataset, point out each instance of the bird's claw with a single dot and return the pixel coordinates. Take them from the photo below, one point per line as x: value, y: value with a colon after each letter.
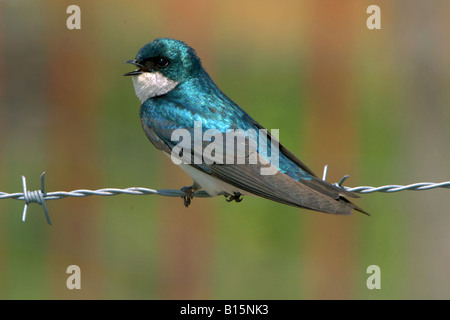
x: 235, y: 197
x: 189, y: 195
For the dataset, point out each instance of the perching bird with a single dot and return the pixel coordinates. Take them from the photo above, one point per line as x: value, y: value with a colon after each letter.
x: 175, y: 91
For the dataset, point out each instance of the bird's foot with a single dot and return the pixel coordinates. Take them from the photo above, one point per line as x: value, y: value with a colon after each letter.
x: 189, y: 193
x: 235, y: 197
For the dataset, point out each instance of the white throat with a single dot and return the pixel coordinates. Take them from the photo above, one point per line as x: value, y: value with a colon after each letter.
x: 151, y: 84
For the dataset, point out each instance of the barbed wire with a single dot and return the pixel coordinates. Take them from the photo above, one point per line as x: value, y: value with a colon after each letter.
x: 40, y: 196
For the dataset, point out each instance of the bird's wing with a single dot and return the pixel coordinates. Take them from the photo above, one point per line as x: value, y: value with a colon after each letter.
x: 281, y: 188
x: 314, y: 183
x: 312, y: 193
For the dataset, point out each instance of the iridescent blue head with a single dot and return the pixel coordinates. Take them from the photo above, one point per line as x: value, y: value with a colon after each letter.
x: 162, y: 65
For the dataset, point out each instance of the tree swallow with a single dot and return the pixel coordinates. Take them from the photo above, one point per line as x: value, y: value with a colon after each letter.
x: 175, y: 91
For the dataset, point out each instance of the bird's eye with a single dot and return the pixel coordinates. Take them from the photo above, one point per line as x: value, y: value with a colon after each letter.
x: 162, y: 62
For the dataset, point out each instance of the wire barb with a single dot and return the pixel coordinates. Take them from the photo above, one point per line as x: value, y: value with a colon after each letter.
x: 324, y: 175
x: 37, y: 196
x: 40, y: 196
x: 338, y: 184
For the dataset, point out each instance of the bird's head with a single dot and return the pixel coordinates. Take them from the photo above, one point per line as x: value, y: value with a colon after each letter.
x: 162, y: 65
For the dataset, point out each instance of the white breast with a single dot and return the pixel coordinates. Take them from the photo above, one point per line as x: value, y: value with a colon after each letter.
x: 151, y: 84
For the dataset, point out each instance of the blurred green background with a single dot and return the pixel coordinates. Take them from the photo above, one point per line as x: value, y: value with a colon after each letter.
x: 370, y: 103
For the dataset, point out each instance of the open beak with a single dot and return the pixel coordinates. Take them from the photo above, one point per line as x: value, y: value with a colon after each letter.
x: 135, y: 72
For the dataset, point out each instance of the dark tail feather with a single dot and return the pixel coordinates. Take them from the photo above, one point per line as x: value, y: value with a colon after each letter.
x: 353, y: 206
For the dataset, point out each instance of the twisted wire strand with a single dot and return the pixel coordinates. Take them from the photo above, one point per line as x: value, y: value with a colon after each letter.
x: 32, y: 197
x: 35, y: 196
x: 420, y: 186
x: 40, y: 196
